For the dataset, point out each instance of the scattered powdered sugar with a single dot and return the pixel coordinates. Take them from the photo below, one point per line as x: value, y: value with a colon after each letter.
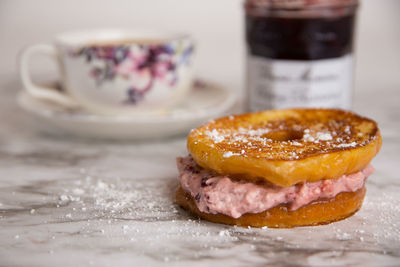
x: 109, y: 197
x: 253, y: 132
x: 295, y: 143
x: 343, y: 236
x: 64, y: 198
x: 229, y: 154
x: 388, y: 208
x: 376, y: 223
x: 308, y: 136
x: 352, y: 144
x: 324, y: 136
x: 117, y: 197
x: 224, y: 233
x: 215, y: 136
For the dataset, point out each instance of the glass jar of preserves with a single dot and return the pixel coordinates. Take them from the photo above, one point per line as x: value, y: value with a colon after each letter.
x: 300, y: 53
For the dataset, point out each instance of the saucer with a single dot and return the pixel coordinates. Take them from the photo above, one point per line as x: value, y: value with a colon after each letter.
x: 206, y: 100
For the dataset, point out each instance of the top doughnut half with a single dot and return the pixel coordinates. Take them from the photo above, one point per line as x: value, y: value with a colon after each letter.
x: 285, y: 147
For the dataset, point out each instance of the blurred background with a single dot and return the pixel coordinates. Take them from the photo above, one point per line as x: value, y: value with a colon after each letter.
x: 217, y: 26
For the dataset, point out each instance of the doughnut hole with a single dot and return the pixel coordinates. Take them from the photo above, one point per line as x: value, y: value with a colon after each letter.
x: 284, y: 135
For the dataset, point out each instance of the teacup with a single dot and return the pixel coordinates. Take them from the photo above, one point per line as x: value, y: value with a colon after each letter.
x: 116, y: 72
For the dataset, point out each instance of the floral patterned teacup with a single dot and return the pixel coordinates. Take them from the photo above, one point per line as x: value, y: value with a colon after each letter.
x: 116, y: 72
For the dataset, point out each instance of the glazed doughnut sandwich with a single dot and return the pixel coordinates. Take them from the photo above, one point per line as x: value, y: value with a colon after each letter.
x: 278, y: 168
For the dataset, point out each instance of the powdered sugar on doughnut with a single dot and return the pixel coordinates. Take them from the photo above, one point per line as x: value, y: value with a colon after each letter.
x: 216, y: 137
x: 229, y: 154
x: 287, y: 138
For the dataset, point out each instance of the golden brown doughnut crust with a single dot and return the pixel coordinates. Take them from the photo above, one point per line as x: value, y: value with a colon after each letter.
x: 316, y: 213
x: 285, y: 147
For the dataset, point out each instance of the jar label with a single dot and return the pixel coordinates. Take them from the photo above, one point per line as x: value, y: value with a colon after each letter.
x: 299, y: 83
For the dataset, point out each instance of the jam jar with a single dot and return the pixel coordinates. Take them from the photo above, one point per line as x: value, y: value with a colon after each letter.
x: 299, y: 53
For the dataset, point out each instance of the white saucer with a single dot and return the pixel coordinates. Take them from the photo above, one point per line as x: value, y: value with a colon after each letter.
x: 205, y: 101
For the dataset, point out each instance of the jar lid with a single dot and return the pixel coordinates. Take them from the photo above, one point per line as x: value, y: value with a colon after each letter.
x: 302, y: 7
x: 300, y: 4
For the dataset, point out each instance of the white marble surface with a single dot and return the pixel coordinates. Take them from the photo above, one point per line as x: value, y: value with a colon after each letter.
x: 79, y: 202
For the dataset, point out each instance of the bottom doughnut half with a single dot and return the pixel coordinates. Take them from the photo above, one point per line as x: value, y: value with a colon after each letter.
x: 316, y: 213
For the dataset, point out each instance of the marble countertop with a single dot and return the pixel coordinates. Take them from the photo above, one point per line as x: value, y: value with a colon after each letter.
x: 79, y: 202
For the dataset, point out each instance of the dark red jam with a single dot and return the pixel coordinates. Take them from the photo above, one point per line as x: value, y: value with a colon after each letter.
x: 300, y: 38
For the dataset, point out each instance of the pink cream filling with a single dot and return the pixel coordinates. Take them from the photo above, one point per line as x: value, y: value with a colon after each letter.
x: 219, y: 194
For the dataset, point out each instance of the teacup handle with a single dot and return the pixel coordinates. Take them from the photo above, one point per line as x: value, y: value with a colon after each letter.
x: 47, y: 93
